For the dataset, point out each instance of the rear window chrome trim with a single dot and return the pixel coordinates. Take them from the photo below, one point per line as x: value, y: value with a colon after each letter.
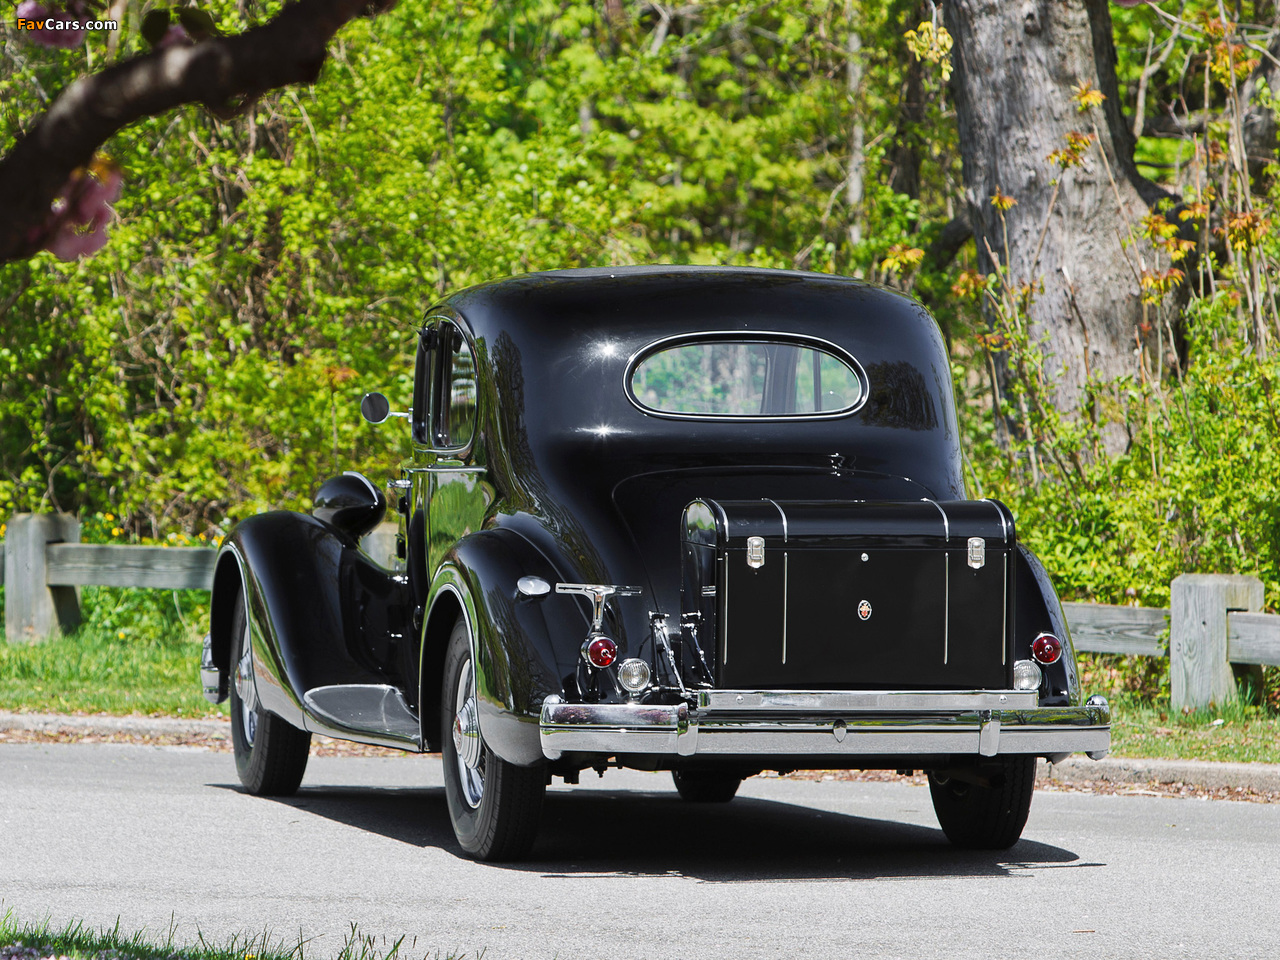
x: 746, y: 336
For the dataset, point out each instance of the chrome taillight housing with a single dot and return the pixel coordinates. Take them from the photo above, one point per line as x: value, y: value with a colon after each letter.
x: 599, y: 651
x: 1046, y: 649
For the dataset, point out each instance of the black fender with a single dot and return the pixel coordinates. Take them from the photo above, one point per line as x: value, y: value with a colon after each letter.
x: 320, y: 611
x: 523, y: 647
x: 1039, y: 611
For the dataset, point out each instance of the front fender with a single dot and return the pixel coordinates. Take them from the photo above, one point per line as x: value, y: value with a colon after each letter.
x: 320, y: 612
x: 514, y: 638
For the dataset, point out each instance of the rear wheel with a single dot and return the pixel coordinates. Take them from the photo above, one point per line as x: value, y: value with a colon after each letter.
x: 986, y: 817
x: 271, y: 754
x: 494, y: 805
x: 705, y: 786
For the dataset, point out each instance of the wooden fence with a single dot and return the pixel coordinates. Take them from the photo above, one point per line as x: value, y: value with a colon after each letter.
x: 1213, y: 632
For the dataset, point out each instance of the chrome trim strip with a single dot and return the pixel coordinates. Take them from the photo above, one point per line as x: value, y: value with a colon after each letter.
x: 724, y: 609
x: 865, y: 701
x: 1004, y: 628
x: 452, y: 468
x: 785, y: 591
x: 1004, y: 623
x: 1004, y: 524
x: 784, y: 518
x: 946, y: 524
x: 946, y: 581
x: 946, y: 606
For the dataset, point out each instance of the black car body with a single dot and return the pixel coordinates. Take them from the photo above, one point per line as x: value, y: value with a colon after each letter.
x: 708, y: 520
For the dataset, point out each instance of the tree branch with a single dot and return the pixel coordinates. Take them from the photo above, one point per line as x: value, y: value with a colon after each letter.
x: 219, y: 72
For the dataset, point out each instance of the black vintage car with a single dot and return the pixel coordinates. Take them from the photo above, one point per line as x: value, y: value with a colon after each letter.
x: 704, y: 520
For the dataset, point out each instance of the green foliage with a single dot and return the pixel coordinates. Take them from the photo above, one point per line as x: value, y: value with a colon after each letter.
x: 264, y: 273
x: 136, y: 652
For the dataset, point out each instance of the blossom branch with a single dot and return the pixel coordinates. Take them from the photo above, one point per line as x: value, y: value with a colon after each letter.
x: 222, y: 73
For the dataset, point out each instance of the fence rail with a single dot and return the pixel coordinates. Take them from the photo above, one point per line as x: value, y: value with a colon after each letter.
x: 1212, y: 625
x: 1098, y: 628
x: 109, y: 565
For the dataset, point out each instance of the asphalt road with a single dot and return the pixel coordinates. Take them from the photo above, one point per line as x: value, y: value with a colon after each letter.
x: 161, y: 835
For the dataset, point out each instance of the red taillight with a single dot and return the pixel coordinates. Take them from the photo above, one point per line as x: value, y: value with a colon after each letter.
x: 601, y: 651
x: 1046, y: 648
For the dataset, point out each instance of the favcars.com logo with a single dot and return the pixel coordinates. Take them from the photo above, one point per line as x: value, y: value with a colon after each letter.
x: 54, y: 23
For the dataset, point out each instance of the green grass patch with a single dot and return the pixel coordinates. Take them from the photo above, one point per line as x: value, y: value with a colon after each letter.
x: 1238, y: 733
x: 137, y: 651
x: 33, y: 941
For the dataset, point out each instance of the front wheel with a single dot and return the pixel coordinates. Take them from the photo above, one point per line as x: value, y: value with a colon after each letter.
x: 986, y: 817
x: 271, y: 754
x: 494, y: 805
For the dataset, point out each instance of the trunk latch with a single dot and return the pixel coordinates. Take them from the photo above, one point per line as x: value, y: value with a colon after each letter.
x: 755, y: 552
x: 977, y: 552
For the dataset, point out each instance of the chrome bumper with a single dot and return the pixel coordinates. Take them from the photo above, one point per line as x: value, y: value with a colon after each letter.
x: 837, y: 724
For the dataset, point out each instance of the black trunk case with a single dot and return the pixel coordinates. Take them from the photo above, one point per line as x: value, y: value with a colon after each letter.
x: 851, y: 594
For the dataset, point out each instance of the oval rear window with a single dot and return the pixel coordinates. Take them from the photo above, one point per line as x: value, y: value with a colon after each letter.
x: 751, y: 379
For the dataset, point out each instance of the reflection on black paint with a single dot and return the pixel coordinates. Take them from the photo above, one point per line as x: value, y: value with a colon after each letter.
x: 899, y: 398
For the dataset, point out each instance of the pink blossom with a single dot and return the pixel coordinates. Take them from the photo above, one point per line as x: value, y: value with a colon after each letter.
x: 77, y: 226
x: 57, y: 30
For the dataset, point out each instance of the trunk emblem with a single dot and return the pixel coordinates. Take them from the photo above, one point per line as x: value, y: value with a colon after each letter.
x: 755, y: 552
x: 864, y: 610
x: 977, y: 552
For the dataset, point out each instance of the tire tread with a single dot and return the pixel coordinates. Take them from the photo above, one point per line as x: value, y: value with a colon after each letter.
x: 986, y: 817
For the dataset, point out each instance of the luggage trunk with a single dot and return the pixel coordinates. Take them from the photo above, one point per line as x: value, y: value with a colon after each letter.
x: 851, y: 594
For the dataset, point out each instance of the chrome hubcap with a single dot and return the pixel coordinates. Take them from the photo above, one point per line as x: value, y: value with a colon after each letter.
x: 246, y: 690
x: 467, y: 745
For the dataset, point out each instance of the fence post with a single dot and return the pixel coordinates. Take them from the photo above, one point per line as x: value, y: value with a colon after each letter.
x: 1199, y: 671
x: 33, y: 610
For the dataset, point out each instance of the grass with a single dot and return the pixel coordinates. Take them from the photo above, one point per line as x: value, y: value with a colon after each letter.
x: 33, y: 941
x: 137, y: 651
x: 1239, y: 733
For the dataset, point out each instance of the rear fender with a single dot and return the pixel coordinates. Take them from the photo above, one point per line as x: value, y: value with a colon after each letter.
x: 320, y: 611
x: 517, y: 642
x: 1038, y: 611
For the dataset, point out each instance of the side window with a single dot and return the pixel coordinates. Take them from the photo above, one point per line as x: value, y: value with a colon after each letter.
x: 456, y: 423
x: 423, y: 377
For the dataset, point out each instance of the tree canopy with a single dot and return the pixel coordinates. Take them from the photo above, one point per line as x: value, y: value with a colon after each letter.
x: 271, y: 252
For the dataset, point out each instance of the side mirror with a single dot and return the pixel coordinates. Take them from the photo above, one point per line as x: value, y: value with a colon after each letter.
x: 375, y: 408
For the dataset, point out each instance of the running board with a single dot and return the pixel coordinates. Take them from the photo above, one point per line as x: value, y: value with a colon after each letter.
x: 366, y: 712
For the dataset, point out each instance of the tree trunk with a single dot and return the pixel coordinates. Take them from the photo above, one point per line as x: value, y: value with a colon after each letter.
x: 908, y: 142
x: 1017, y: 66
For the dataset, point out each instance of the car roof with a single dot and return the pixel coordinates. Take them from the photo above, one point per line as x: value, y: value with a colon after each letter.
x: 559, y: 347
x: 608, y: 295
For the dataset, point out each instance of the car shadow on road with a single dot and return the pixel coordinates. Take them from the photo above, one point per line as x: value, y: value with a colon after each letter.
x: 629, y: 833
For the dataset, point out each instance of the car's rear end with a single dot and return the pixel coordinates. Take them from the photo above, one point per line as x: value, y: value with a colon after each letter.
x: 847, y: 633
